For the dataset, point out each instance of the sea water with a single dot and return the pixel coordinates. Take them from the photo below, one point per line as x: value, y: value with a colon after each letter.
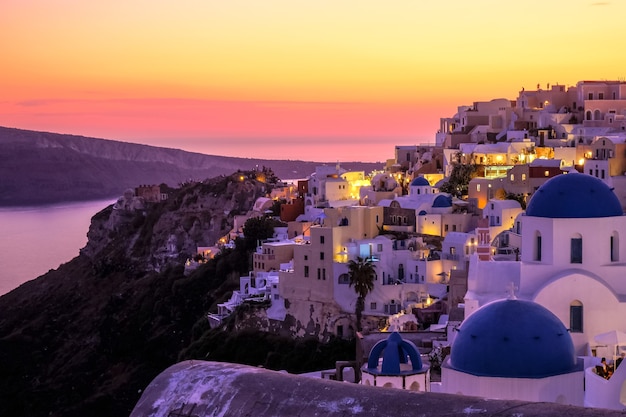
x: 34, y: 240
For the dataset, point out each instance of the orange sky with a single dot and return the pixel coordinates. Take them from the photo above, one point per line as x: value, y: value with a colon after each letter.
x: 288, y: 79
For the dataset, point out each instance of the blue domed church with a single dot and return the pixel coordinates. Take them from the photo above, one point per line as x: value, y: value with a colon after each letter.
x: 514, y: 349
x: 573, y: 264
x: 396, y: 363
x: 572, y: 259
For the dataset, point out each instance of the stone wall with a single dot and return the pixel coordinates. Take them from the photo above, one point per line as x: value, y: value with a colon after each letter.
x: 197, y: 388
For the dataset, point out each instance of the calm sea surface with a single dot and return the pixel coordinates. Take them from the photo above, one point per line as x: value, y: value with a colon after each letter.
x: 34, y: 240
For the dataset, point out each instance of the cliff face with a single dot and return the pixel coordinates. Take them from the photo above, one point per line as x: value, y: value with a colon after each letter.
x: 85, y: 339
x: 43, y: 168
x: 196, y: 215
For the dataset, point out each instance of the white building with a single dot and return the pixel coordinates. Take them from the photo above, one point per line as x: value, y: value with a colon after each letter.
x: 501, y: 215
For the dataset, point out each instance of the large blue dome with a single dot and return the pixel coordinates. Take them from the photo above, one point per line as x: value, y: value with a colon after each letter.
x: 419, y: 182
x: 513, y: 339
x: 574, y: 196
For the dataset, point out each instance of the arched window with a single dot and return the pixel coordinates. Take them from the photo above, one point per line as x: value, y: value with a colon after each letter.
x: 576, y: 317
x: 597, y: 115
x: 614, y: 247
x: 415, y: 386
x: 576, y: 249
x: 344, y: 279
x: 537, y: 251
x: 588, y: 115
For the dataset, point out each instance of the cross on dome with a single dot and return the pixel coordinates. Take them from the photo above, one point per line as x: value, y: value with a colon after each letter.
x: 510, y: 290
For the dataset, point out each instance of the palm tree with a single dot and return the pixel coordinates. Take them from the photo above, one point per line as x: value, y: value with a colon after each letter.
x: 362, y: 275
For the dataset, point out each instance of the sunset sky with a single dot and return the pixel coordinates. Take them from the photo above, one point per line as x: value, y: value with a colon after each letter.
x: 288, y: 79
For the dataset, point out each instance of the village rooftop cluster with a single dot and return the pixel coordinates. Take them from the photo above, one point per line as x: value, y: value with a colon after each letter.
x: 501, y: 243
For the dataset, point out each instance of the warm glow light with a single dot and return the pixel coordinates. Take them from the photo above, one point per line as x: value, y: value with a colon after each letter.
x: 581, y: 161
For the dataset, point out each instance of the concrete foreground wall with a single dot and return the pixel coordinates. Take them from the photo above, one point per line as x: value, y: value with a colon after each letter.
x: 199, y: 389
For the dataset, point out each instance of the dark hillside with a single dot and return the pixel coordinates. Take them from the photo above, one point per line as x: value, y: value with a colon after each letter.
x: 87, y: 338
x: 43, y: 168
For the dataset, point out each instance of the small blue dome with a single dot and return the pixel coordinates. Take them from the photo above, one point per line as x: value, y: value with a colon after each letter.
x: 574, y: 196
x: 419, y: 182
x: 395, y: 351
x: 513, y: 339
x: 443, y: 201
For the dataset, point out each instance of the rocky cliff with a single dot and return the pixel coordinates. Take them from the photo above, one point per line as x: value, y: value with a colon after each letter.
x: 87, y: 338
x: 197, y: 214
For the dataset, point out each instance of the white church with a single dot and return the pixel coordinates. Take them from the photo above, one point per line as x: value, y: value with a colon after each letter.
x: 571, y: 261
x: 571, y: 264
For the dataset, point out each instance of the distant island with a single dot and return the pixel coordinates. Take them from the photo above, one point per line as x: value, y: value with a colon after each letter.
x: 46, y: 168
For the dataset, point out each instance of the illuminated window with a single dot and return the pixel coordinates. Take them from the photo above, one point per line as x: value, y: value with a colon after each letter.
x: 546, y: 173
x: 512, y: 177
x: 523, y: 177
